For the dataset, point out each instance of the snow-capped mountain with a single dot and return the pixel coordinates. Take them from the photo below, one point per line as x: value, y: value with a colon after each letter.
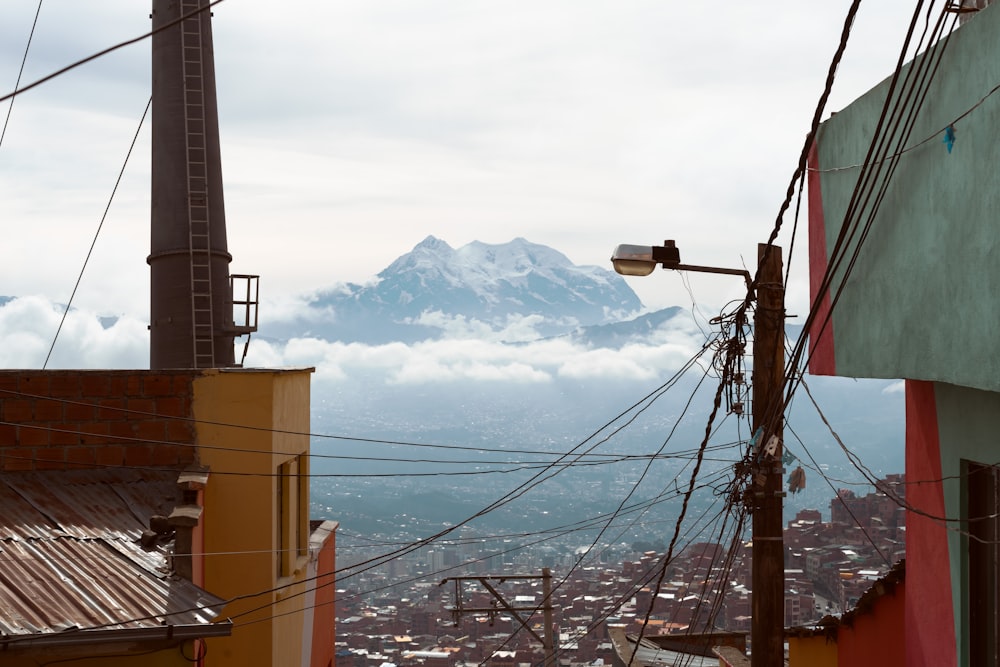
x: 435, y: 288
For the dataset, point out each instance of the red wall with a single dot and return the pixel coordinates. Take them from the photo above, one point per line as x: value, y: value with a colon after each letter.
x: 58, y: 420
x: 877, y: 638
x: 821, y: 355
x: 324, y: 630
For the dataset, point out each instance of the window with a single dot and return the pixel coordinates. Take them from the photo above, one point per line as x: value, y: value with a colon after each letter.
x: 983, y: 526
x: 292, y: 513
x: 283, y: 515
x: 302, y: 515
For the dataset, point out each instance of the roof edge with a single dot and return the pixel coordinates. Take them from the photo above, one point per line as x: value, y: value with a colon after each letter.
x: 108, y: 636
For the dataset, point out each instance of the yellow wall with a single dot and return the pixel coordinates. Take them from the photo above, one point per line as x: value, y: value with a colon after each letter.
x: 813, y: 651
x: 242, y: 512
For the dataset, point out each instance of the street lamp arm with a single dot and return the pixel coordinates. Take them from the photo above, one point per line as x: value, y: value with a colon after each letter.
x: 714, y: 269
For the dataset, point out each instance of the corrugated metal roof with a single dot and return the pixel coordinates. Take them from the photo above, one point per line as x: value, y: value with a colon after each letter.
x: 651, y: 655
x: 70, y: 557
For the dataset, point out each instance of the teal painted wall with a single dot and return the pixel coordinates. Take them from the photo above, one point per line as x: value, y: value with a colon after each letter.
x: 969, y: 428
x: 922, y: 301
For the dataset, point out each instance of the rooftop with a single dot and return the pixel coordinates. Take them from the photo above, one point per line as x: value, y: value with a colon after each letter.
x: 73, y: 564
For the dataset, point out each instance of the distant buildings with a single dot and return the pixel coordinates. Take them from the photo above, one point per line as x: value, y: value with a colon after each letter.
x: 829, y: 566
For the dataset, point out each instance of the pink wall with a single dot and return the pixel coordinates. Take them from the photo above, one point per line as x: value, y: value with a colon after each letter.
x: 930, y: 625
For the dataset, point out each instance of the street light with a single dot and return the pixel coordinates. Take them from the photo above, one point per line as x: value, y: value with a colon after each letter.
x: 640, y: 260
x: 768, y: 570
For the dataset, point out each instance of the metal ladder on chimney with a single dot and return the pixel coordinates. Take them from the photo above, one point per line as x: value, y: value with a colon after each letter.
x: 197, y: 187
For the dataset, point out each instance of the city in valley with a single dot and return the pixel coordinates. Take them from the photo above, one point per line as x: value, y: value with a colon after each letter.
x: 406, y: 610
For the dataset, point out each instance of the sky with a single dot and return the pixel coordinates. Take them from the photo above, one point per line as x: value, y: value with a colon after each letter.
x: 352, y: 130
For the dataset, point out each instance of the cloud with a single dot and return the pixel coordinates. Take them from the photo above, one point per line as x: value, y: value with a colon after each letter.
x: 455, y: 359
x: 898, y: 387
x: 471, y: 351
x: 28, y: 326
x: 514, y: 328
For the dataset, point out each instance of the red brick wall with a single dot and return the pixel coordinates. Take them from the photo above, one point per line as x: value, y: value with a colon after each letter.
x: 57, y: 420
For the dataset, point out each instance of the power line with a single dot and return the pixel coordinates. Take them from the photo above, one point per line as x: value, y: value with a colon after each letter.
x: 110, y: 49
x: 687, y: 495
x: 579, y: 526
x: 506, y: 499
x: 832, y: 488
x: 637, y: 585
x: 237, y: 473
x: 100, y: 225
x: 309, y: 434
x: 24, y: 59
x: 861, y: 194
x: 580, y: 461
x: 635, y: 488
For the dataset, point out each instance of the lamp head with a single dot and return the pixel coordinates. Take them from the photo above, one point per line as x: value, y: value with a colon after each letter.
x: 640, y: 260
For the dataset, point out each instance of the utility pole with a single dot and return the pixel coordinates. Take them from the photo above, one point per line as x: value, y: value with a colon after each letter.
x: 767, y: 633
x: 502, y: 605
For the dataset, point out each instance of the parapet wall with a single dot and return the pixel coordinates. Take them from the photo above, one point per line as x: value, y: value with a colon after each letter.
x: 62, y: 420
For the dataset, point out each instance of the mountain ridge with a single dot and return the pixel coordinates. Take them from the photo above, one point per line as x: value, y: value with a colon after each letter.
x: 419, y: 293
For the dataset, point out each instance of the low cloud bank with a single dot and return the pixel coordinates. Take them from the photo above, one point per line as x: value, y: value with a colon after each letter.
x: 29, y: 325
x: 471, y: 351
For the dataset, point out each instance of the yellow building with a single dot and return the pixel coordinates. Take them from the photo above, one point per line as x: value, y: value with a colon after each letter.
x: 260, y: 516
x: 237, y: 441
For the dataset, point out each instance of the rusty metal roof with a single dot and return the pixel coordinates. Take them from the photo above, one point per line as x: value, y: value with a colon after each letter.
x: 71, y: 564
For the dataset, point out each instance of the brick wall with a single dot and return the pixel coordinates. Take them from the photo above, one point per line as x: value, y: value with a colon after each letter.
x: 57, y: 420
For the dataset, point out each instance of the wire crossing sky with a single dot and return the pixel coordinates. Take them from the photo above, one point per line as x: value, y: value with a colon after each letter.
x: 363, y: 128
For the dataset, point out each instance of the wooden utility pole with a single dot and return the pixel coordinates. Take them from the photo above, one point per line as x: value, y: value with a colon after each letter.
x: 767, y: 633
x: 547, y: 638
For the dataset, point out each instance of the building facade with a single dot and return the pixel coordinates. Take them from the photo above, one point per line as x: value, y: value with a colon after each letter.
x: 241, y: 439
x: 904, y: 201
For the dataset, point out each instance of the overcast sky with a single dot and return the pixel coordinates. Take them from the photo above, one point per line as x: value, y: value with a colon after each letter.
x: 351, y: 130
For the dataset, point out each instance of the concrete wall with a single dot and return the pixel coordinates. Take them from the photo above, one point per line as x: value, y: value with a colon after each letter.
x: 918, y: 303
x: 251, y: 422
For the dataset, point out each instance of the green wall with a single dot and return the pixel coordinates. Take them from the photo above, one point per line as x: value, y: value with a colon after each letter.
x: 922, y: 301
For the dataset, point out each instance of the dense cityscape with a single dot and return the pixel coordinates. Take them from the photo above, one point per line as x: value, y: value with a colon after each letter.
x: 829, y: 567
